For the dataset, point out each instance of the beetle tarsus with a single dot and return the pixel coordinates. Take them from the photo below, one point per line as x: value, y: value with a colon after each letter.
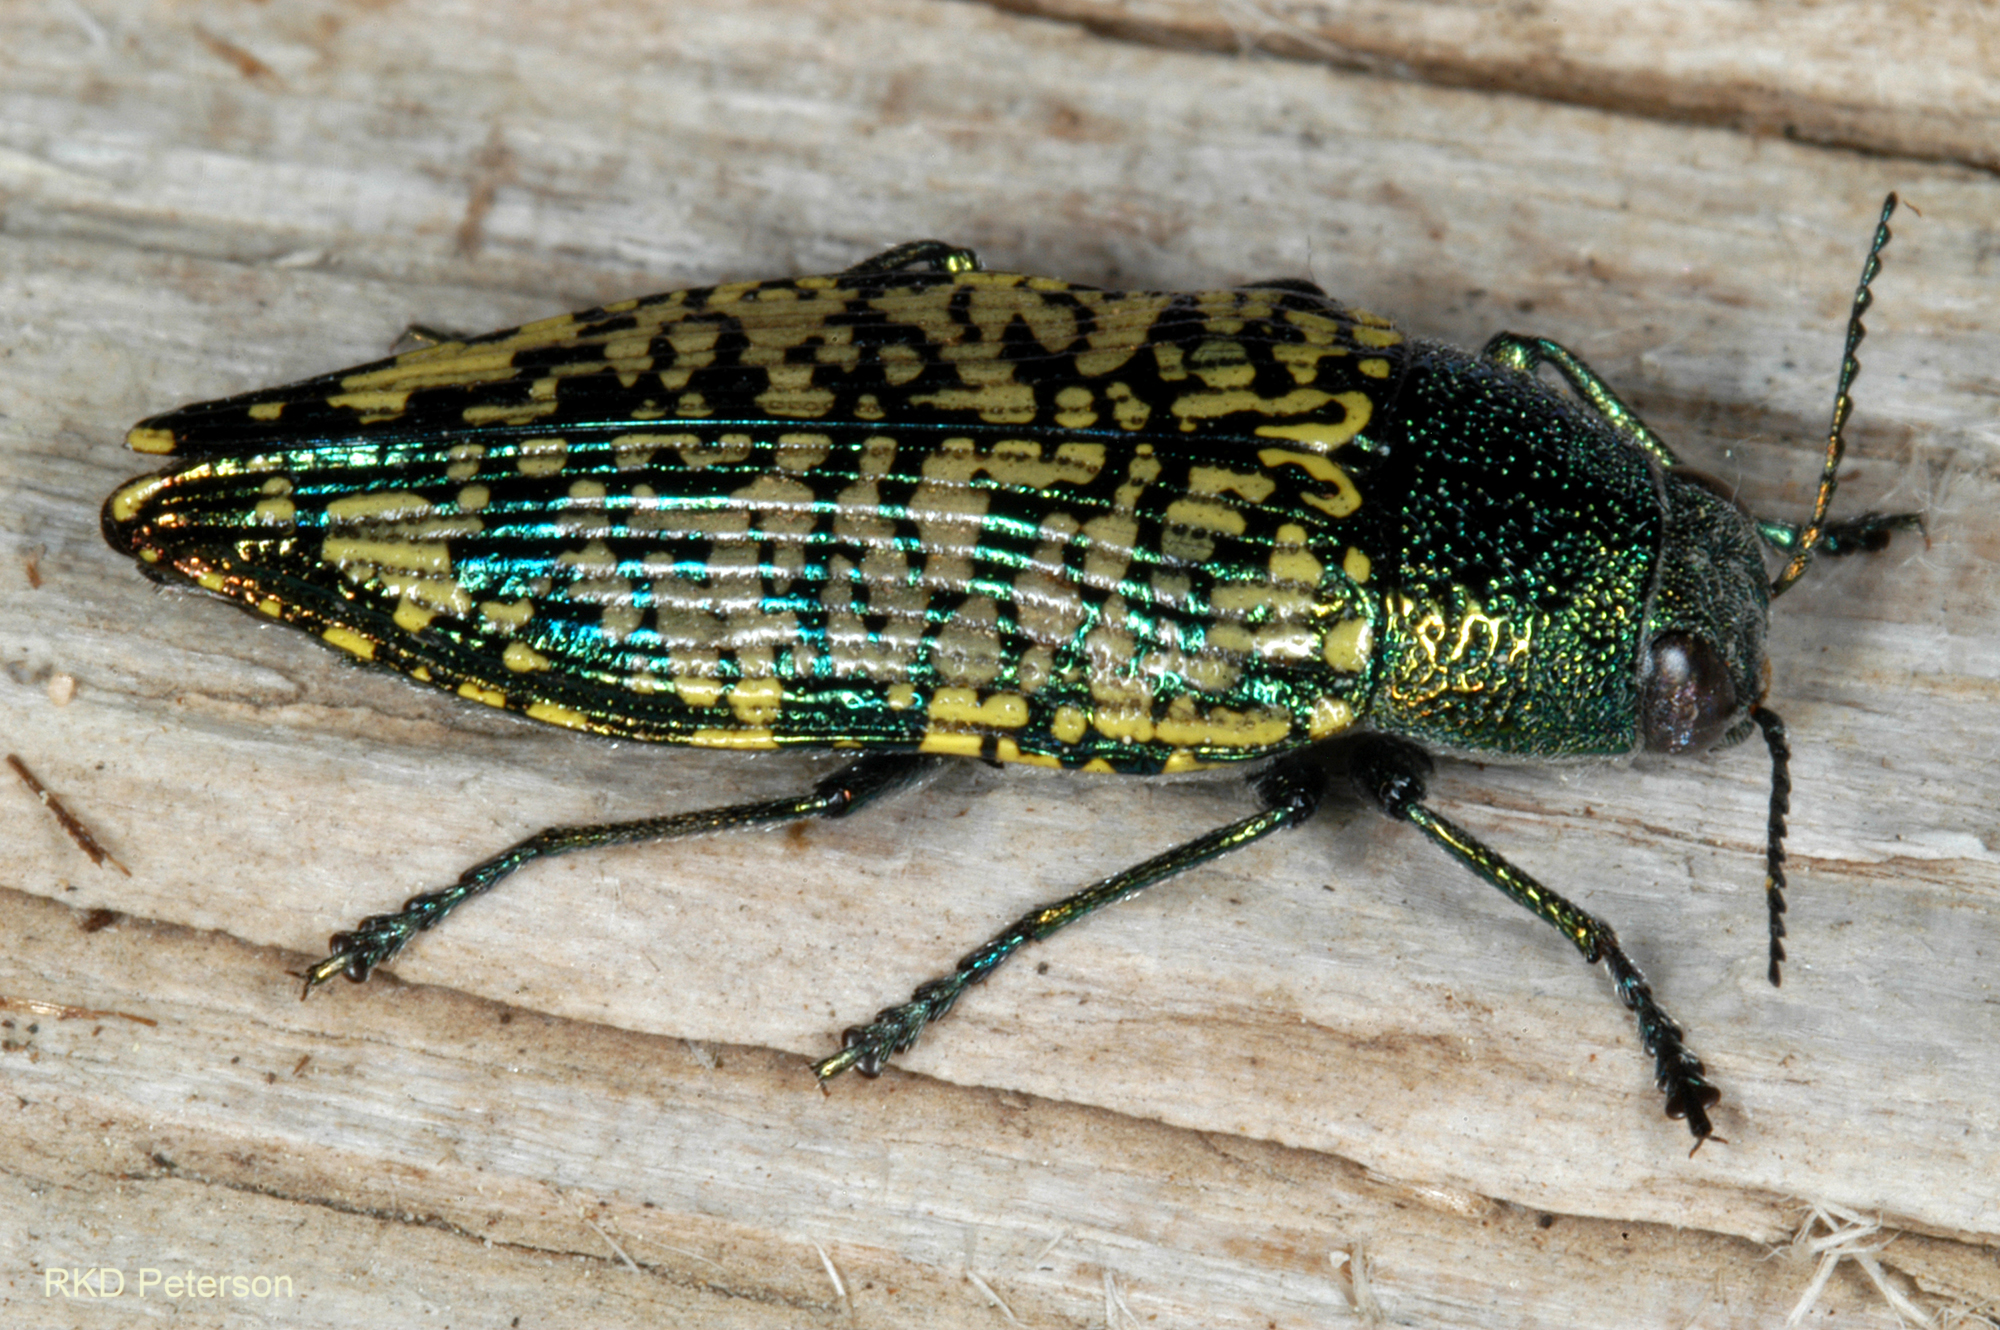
x: 1392, y: 773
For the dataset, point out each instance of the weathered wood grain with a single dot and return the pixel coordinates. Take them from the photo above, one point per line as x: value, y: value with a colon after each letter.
x: 1869, y: 75
x: 1330, y: 1042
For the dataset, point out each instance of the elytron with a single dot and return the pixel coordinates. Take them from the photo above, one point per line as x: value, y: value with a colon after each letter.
x: 918, y: 511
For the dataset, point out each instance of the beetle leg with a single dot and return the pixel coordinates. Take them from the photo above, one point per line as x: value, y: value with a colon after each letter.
x: 1392, y: 774
x: 377, y: 939
x: 1866, y: 534
x: 926, y: 255
x: 1290, y: 791
x: 1529, y: 354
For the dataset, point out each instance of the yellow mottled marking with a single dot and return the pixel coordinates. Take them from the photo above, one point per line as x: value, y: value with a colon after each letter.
x: 150, y: 440
x: 1318, y: 329
x: 1006, y: 750
x: 361, y: 559
x: 878, y: 453
x: 1097, y: 766
x: 448, y: 364
x: 1076, y: 407
x: 349, y: 641
x: 621, y: 621
x: 271, y: 605
x: 1195, y: 407
x: 1187, y: 726
x: 543, y: 457
x: 411, y: 617
x: 464, y: 460
x: 697, y: 691
x: 1206, y: 515
x: 375, y: 404
x: 378, y: 506
x: 1222, y: 363
x: 472, y: 692
x: 901, y: 697
x: 1233, y: 638
x: 555, y: 715
x: 473, y: 497
x: 698, y: 453
x: 1221, y: 480
x: 594, y: 560
x: 630, y: 355
x: 1326, y: 436
x: 758, y: 740
x: 1374, y: 367
x: 803, y: 452
x: 1127, y: 407
x: 1343, y: 501
x: 1330, y: 715
x: 1302, y: 358
x: 1013, y: 462
x: 1068, y: 725
x: 793, y: 395
x: 1355, y: 565
x: 900, y: 363
x: 1347, y: 645
x: 522, y: 413
x: 839, y: 349
x: 1125, y: 724
x: 267, y: 411
x: 523, y: 659
x: 952, y: 743
x: 730, y: 292
x: 504, y: 615
x: 756, y: 701
x: 1377, y: 337
x: 636, y: 450
x: 1100, y: 361
x: 963, y: 706
x: 276, y: 512
x: 127, y: 502
x: 1291, y: 561
x: 996, y: 403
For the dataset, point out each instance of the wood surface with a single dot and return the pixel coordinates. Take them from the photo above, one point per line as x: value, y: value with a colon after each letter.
x: 586, y: 1101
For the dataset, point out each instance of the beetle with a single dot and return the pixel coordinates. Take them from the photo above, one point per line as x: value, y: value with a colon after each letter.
x: 918, y: 511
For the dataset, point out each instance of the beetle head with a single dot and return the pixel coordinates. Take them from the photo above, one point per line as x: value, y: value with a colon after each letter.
x: 1704, y: 664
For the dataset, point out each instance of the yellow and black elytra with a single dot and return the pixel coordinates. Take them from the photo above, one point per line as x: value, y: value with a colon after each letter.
x: 918, y: 510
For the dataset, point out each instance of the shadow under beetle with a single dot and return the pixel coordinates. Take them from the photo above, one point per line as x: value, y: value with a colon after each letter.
x: 919, y: 511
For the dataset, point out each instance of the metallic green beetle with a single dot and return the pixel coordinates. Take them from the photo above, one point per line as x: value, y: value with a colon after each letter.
x: 918, y: 510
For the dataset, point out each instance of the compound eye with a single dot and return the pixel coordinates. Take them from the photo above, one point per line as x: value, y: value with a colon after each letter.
x: 1689, y: 698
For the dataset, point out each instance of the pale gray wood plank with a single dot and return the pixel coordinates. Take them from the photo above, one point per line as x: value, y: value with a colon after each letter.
x: 1194, y: 1086
x: 1868, y: 74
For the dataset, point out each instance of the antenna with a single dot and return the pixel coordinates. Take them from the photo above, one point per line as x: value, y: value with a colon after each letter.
x: 1843, y: 406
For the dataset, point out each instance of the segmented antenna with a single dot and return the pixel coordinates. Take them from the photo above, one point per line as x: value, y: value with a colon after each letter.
x: 1774, y: 835
x: 1843, y: 406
